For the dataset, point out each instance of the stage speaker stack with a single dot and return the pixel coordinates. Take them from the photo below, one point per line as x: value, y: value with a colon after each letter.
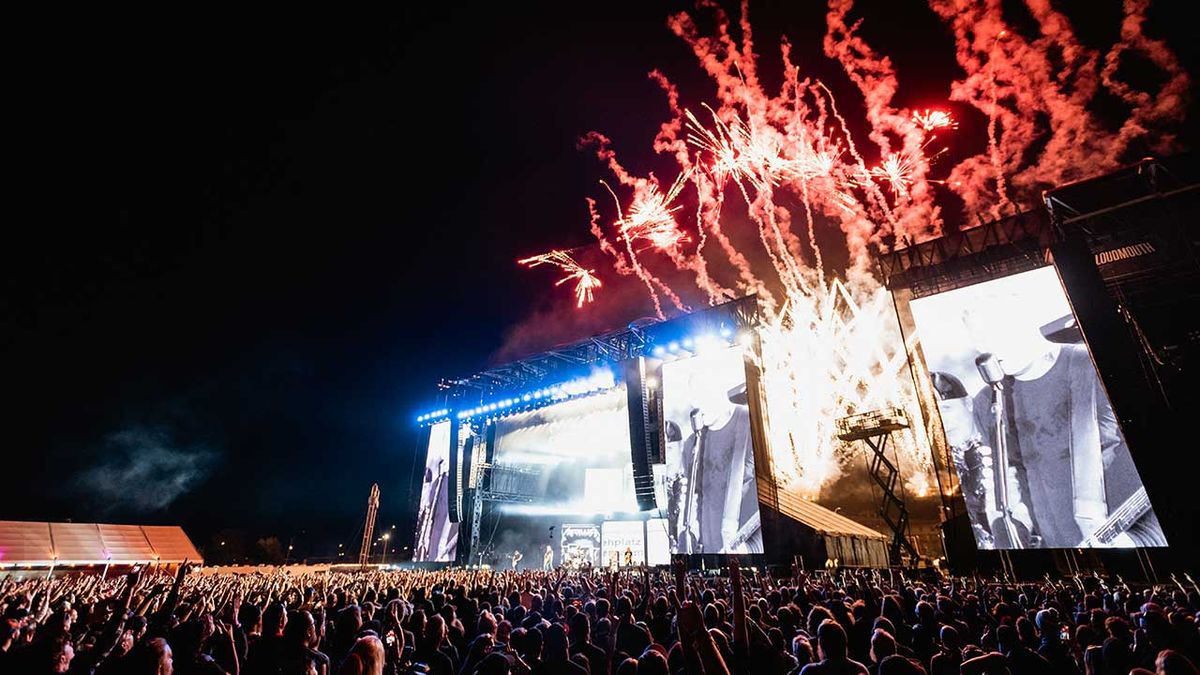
x: 454, y: 491
x: 644, y: 439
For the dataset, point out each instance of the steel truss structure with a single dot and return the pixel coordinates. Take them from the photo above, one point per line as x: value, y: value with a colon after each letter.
x: 634, y: 340
x: 1020, y: 241
x: 875, y: 429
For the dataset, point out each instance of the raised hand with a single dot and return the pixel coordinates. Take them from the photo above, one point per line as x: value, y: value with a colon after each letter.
x: 680, y: 570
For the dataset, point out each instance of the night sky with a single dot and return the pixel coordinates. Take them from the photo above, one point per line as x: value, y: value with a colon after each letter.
x: 250, y: 245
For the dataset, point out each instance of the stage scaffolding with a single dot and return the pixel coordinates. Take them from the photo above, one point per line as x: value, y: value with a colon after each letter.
x: 1129, y: 234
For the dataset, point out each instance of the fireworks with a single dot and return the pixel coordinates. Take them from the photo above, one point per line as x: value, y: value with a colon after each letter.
x: 934, y: 119
x: 585, y: 280
x: 830, y: 341
x: 896, y: 171
x: 651, y: 217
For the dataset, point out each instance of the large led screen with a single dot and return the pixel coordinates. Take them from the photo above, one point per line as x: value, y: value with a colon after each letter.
x: 572, y: 458
x: 712, y: 496
x: 436, y: 537
x: 1020, y: 397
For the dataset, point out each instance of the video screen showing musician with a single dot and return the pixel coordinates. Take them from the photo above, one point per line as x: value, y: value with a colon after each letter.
x: 1035, y: 442
x: 436, y: 536
x: 714, y: 495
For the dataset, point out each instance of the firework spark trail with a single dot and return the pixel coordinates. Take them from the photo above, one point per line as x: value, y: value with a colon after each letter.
x: 585, y: 280
x: 916, y: 216
x: 653, y: 208
x: 994, y: 150
x: 651, y: 217
x: 812, y: 228
x: 830, y: 342
x: 1149, y: 110
x: 623, y: 265
x: 712, y: 201
x: 864, y: 229
x: 1038, y: 92
x: 669, y: 141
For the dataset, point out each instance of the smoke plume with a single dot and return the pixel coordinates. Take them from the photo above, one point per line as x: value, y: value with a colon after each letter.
x: 144, y: 470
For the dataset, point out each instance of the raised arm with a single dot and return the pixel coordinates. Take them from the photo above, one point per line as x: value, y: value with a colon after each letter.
x: 741, y: 638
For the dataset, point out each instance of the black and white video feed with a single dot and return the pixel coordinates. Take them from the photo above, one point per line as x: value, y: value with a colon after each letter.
x: 1038, y: 451
x: 436, y: 537
x: 712, y: 496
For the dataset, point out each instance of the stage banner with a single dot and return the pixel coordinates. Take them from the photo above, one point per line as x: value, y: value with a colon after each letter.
x: 623, y: 542
x: 580, y: 544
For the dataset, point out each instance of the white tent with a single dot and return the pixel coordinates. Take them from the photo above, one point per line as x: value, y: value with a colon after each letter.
x: 53, y: 544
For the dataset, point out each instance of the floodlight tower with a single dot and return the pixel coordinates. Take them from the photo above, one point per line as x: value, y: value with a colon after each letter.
x: 364, y: 553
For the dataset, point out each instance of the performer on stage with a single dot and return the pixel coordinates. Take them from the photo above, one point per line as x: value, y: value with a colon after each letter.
x: 719, y: 491
x: 628, y: 556
x: 516, y: 558
x: 1068, y: 461
x: 548, y: 558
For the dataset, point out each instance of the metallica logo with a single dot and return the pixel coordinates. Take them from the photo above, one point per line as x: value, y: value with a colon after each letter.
x: 570, y: 531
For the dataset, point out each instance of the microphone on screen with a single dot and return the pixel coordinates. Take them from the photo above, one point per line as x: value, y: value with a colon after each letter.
x: 989, y: 368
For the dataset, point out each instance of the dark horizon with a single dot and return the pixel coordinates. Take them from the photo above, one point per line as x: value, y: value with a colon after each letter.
x: 257, y: 242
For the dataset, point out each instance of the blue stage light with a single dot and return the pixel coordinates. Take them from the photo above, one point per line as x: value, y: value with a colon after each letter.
x: 526, y: 398
x: 659, y: 351
x: 687, y: 343
x: 726, y: 332
x: 674, y: 346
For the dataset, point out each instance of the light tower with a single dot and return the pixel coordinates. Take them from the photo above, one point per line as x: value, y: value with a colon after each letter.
x: 369, y: 526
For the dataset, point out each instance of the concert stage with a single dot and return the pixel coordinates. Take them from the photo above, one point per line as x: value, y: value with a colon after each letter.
x: 1034, y: 347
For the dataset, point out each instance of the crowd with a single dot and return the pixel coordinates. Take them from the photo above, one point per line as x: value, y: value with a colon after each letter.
x: 648, y: 622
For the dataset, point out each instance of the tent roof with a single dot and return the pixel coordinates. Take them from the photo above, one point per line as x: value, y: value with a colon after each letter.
x: 39, y: 543
x: 823, y: 520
